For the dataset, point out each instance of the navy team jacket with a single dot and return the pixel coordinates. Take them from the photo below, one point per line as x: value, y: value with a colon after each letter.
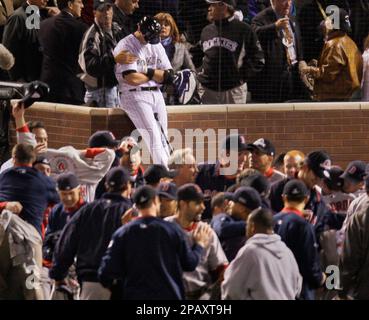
x: 231, y: 233
x: 148, y: 256
x: 323, y: 218
x: 32, y: 189
x: 211, y: 182
x: 87, y: 235
x: 298, y: 234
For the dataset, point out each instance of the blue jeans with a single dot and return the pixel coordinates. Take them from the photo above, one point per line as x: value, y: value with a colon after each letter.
x: 102, y: 97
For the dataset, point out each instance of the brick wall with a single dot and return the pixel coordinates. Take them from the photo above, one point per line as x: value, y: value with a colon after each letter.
x: 341, y: 129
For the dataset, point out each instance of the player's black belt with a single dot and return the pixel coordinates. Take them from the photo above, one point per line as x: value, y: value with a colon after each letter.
x: 144, y: 89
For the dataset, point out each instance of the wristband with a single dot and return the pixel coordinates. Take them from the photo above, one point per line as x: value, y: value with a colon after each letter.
x: 150, y: 73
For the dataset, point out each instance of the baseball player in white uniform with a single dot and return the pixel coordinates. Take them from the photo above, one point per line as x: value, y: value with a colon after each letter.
x: 140, y: 83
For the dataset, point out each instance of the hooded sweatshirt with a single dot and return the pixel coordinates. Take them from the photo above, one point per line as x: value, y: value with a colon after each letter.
x: 264, y: 269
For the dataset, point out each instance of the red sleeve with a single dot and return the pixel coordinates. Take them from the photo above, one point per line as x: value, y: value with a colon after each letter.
x: 24, y: 129
x: 3, y: 205
x: 93, y: 152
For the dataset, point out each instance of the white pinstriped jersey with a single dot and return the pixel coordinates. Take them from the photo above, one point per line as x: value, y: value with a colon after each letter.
x: 149, y: 56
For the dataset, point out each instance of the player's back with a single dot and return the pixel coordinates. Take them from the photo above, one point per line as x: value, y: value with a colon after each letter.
x: 153, y: 255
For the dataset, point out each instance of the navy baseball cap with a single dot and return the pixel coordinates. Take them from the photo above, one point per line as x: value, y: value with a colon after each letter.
x: 235, y: 141
x: 248, y: 197
x: 334, y: 181
x: 295, y: 189
x: 355, y: 171
x: 67, y: 182
x: 257, y: 181
x: 319, y: 162
x: 155, y: 172
x: 103, y: 139
x: 117, y: 176
x: 102, y: 5
x: 263, y: 145
x: 144, y: 194
x: 190, y: 192
x: 41, y: 160
x: 168, y: 190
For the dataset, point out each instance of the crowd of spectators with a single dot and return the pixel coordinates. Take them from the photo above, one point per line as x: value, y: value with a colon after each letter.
x: 241, y: 51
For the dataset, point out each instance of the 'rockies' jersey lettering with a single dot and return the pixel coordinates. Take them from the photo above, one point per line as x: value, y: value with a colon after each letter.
x: 220, y: 42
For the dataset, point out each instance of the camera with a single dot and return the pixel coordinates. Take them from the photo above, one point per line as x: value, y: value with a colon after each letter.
x: 28, y: 93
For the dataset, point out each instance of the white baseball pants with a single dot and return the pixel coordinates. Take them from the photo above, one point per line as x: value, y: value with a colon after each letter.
x: 140, y: 107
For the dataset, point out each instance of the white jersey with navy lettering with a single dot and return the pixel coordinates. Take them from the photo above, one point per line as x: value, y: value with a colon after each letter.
x: 149, y: 56
x: 144, y: 101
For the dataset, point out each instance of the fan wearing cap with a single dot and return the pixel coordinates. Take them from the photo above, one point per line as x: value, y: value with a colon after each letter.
x: 213, y: 178
x: 168, y: 199
x: 89, y: 165
x: 87, y: 235
x: 164, y: 253
x: 156, y: 172
x: 299, y: 236
x: 213, y: 261
x: 231, y: 229
x: 262, y: 153
x: 265, y: 268
x: 340, y: 66
x: 316, y: 166
x: 96, y: 58
x: 140, y: 83
x: 236, y: 45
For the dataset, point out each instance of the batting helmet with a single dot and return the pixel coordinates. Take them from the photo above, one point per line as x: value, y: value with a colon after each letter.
x: 150, y: 29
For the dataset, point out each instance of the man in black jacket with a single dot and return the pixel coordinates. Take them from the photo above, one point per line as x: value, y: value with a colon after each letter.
x: 96, y: 58
x: 122, y: 15
x: 87, y: 235
x: 232, y: 54
x: 22, y: 42
x: 280, y: 39
x: 60, y: 38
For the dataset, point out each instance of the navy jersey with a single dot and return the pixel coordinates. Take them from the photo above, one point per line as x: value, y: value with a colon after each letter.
x: 322, y: 218
x: 211, y: 182
x: 87, y: 235
x: 32, y: 189
x: 299, y: 236
x: 231, y: 233
x: 149, y: 256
